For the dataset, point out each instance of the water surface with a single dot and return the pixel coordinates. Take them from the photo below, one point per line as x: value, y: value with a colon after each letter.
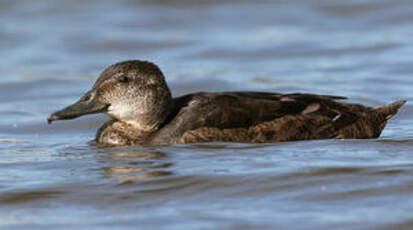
x: 51, y: 177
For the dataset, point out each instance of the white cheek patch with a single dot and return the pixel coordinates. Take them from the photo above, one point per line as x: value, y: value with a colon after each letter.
x: 120, y: 112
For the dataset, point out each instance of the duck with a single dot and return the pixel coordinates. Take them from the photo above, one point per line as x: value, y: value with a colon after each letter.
x: 135, y: 95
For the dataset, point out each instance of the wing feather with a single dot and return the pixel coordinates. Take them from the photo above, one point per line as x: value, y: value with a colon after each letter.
x: 231, y: 110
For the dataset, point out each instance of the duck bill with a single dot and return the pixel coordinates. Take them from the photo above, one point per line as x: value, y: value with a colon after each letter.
x: 86, y: 105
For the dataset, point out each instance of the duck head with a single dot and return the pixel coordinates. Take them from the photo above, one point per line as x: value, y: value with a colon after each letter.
x: 131, y: 91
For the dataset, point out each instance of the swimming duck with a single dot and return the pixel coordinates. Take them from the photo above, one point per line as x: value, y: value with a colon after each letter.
x: 137, y: 98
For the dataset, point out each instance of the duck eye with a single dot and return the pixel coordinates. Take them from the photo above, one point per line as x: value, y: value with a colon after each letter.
x: 124, y: 79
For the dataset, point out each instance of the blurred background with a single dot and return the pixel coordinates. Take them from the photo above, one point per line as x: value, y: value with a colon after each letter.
x: 53, y: 51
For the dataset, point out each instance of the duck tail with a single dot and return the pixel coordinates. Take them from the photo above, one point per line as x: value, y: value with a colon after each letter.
x: 389, y: 110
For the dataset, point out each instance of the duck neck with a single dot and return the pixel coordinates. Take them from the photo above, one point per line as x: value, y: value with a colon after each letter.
x: 146, y: 123
x: 154, y: 116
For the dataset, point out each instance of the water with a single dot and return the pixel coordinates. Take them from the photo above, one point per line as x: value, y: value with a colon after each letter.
x: 52, y: 51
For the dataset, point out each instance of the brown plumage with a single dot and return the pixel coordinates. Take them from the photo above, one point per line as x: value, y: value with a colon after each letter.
x: 136, y: 96
x: 265, y: 117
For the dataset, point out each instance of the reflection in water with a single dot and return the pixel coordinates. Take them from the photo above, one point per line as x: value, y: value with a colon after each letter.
x: 137, y: 165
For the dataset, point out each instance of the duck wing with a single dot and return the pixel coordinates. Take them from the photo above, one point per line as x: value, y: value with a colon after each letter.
x: 243, y: 110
